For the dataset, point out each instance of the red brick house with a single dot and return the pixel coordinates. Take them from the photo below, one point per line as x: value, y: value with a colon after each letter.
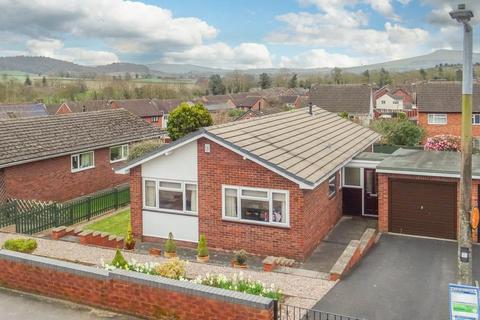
x: 248, y: 102
x: 439, y: 108
x: 249, y: 184
x: 57, y: 158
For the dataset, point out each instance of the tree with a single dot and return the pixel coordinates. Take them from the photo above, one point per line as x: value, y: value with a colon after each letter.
x: 187, y: 118
x: 384, y: 78
x: 293, y: 82
x: 44, y: 81
x: 215, y: 84
x: 28, y: 82
x: 265, y: 81
x: 337, y: 75
x: 423, y: 74
x: 366, y: 75
x: 402, y: 132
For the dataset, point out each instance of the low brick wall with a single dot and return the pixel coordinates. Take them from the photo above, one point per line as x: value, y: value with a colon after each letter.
x: 128, y: 292
x: 96, y: 238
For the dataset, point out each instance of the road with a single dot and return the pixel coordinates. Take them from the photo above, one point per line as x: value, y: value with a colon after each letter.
x: 14, y: 305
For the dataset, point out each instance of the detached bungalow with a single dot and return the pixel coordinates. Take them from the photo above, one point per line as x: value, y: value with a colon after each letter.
x: 270, y: 185
x: 57, y: 158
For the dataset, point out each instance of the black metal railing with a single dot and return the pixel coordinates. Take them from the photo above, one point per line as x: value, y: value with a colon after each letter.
x: 287, y: 312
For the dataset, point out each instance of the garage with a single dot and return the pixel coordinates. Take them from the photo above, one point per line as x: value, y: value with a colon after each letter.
x: 423, y: 208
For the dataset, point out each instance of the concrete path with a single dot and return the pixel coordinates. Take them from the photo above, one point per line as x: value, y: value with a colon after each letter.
x: 14, y: 305
x: 401, y: 278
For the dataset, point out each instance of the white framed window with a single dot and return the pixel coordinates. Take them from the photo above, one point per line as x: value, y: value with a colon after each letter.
x: 118, y: 153
x: 476, y: 119
x: 352, y: 177
x: 332, y: 185
x: 437, y: 118
x: 164, y: 120
x: 395, y: 102
x: 155, y: 119
x: 255, y: 205
x: 83, y: 161
x: 170, y: 196
x: 383, y: 101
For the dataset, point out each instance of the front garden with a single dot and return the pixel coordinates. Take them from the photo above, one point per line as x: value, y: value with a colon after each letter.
x: 116, y: 224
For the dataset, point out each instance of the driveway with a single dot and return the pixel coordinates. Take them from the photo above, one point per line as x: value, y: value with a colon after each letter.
x: 15, y: 305
x: 401, y: 278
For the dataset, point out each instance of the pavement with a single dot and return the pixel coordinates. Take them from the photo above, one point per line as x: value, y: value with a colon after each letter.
x: 400, y: 278
x: 331, y: 248
x: 15, y: 305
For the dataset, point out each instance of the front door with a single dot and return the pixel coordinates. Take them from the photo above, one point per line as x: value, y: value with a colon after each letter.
x: 370, y: 193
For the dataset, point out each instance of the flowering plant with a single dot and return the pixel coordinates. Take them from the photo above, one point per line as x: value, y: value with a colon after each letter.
x: 443, y: 142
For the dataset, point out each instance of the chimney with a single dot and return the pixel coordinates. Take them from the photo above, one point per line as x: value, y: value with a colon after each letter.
x: 310, y: 108
x: 84, y: 109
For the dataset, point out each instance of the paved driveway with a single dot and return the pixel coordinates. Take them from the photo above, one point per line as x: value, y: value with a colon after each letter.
x: 401, y: 278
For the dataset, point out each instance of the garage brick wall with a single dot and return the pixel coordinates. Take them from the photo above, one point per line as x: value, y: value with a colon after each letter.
x: 383, y: 196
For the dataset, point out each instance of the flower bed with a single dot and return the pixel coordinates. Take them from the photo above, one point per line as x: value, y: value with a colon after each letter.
x: 175, y: 269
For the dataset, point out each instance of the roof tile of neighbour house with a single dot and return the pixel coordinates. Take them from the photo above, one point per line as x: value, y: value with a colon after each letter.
x: 87, y: 106
x: 24, y: 140
x: 13, y: 111
x: 354, y: 99
x: 302, y: 147
x: 140, y: 107
x: 444, y: 97
x: 288, y: 99
x: 167, y: 105
x: 242, y: 101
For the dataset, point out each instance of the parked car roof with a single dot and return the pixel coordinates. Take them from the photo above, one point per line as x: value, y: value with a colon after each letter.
x: 444, y: 97
x: 31, y: 139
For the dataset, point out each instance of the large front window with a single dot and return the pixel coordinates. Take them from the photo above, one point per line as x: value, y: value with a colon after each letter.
x: 119, y: 153
x: 437, y: 118
x: 82, y: 161
x: 170, y: 196
x: 255, y: 205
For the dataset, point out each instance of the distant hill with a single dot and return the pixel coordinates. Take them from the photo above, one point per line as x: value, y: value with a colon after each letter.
x: 45, y: 65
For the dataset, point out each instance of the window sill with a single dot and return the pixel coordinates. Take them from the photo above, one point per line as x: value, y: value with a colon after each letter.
x: 258, y: 223
x: 82, y: 169
x: 178, y: 213
x: 437, y: 124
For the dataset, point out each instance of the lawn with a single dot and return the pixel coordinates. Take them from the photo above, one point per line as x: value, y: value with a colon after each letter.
x: 116, y: 224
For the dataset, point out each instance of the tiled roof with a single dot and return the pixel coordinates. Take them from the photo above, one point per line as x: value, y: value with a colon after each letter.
x: 302, y: 147
x: 27, y: 140
x: 288, y: 99
x: 444, y: 97
x: 167, y: 105
x: 354, y: 99
x: 140, y: 107
x: 245, y: 101
x: 13, y: 111
x: 87, y: 106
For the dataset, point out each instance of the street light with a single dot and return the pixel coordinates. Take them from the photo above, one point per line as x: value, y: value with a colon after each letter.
x: 464, y: 275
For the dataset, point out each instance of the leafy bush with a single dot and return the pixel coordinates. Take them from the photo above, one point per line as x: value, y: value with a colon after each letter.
x: 235, y: 113
x: 172, y: 269
x: 144, y: 147
x: 401, y: 115
x: 186, y: 118
x: 129, y: 241
x: 443, y: 142
x: 170, y: 245
x: 20, y: 245
x: 398, y: 131
x: 240, y: 257
x: 202, y: 249
x: 343, y: 115
x: 119, y: 261
x: 239, y: 283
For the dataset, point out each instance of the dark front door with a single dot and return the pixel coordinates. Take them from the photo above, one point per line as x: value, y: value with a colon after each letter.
x: 370, y: 193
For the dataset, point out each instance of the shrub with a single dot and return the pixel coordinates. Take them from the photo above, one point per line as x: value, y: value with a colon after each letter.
x: 240, y: 257
x: 202, y: 249
x: 235, y: 113
x: 443, y: 142
x: 238, y: 283
x: 186, y: 118
x: 144, y: 147
x: 343, y: 115
x: 119, y: 261
x: 398, y: 132
x: 170, y: 245
x: 20, y: 245
x: 172, y: 269
x: 129, y: 241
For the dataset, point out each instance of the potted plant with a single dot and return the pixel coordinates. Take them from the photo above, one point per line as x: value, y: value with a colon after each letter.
x: 202, y: 249
x: 240, y: 259
x: 129, y: 240
x: 170, y: 247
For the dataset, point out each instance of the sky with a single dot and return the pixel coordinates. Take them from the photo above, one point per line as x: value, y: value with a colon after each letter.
x: 231, y: 34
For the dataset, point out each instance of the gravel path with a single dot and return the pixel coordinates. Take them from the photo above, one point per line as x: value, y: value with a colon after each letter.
x: 301, y: 291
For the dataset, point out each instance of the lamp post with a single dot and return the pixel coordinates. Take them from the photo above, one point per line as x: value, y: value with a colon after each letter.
x: 464, y: 275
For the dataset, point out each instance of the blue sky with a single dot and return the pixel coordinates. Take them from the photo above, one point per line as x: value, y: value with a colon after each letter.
x: 230, y: 34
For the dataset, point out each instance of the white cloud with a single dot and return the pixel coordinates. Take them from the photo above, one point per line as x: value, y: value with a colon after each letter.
x: 55, y: 49
x: 384, y: 7
x: 243, y: 56
x: 319, y: 58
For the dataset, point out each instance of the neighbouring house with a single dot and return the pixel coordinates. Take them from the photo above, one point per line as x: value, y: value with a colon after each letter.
x: 146, y: 109
x: 270, y: 185
x: 290, y: 101
x: 60, y: 157
x: 249, y: 114
x: 388, y: 101
x: 23, y: 110
x: 79, y: 106
x: 440, y: 108
x: 217, y: 103
x: 247, y: 102
x: 356, y: 100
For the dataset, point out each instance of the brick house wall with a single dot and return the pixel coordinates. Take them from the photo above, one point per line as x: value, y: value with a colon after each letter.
x: 63, y: 109
x: 52, y: 179
x: 311, y: 213
x: 383, y: 196
x: 136, y: 201
x: 453, y: 125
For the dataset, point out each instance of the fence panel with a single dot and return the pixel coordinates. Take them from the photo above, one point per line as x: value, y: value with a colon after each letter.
x: 65, y: 214
x: 8, y: 212
x: 286, y: 312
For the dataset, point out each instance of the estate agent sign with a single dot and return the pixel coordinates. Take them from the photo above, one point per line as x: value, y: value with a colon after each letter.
x: 464, y: 302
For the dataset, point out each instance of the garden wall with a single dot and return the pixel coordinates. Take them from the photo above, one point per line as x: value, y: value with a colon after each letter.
x: 137, y: 294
